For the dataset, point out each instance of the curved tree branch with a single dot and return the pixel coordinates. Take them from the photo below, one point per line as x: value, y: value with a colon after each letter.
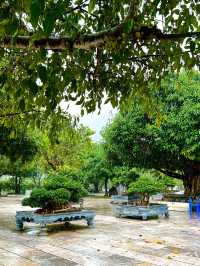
x: 19, y: 113
x: 90, y: 41
x: 172, y: 174
x: 98, y: 39
x: 85, y: 42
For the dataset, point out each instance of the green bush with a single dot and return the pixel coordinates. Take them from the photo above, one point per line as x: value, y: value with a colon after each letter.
x: 47, y: 199
x: 76, y: 189
x: 169, y: 182
x: 146, y: 186
x: 5, y: 184
x: 56, y: 193
x: 27, y: 183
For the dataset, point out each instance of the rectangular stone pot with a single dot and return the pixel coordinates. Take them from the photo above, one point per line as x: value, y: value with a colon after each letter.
x: 44, y: 219
x: 153, y: 210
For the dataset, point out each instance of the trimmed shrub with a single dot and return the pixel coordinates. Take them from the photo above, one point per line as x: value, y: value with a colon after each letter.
x: 76, y: 189
x: 47, y: 199
x: 56, y: 193
x: 146, y: 186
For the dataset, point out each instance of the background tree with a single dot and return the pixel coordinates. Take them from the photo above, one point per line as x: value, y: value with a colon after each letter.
x: 124, y: 176
x: 97, y: 170
x: 31, y: 152
x: 83, y: 50
x: 16, y: 150
x: 167, y: 141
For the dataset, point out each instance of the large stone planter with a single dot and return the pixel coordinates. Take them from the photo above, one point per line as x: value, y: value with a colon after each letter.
x: 44, y: 219
x: 153, y: 210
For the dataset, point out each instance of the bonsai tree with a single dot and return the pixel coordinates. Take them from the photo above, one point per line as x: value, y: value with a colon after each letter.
x: 48, y: 200
x: 56, y: 193
x: 146, y: 186
x: 61, y: 180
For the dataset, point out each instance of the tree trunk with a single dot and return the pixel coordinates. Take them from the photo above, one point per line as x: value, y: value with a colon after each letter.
x: 17, y: 185
x: 96, y: 187
x: 191, y: 185
x: 106, y: 186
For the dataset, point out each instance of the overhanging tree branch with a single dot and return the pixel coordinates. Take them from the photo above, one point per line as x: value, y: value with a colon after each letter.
x: 19, y: 113
x: 85, y: 42
x: 172, y: 174
x: 90, y: 41
x: 95, y: 40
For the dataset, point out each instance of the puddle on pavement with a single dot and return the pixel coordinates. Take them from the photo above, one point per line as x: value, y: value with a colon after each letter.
x: 100, y: 205
x: 52, y: 229
x: 32, y: 232
x: 62, y: 227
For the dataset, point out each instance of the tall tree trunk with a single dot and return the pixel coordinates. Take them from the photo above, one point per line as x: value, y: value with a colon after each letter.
x: 191, y: 185
x: 17, y: 185
x: 106, y: 186
x: 96, y: 187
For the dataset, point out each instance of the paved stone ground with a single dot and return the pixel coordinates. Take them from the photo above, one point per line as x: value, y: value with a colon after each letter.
x: 114, y: 241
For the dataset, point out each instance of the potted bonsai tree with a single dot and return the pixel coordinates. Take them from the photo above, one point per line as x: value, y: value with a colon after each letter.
x: 54, y: 201
x: 56, y: 194
x: 145, y: 186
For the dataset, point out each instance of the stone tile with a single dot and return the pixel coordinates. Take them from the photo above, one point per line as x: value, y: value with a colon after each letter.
x: 122, y: 260
x: 10, y: 259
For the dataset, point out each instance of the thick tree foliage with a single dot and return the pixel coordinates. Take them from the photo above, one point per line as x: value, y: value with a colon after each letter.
x: 65, y: 150
x: 33, y: 152
x: 168, y: 141
x: 16, y: 144
x: 80, y: 50
x: 16, y: 150
x: 97, y: 170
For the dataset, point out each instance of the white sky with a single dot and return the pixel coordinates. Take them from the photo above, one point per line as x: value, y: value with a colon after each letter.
x: 93, y: 120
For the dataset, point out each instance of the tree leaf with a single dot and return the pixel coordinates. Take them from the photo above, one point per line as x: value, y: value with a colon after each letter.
x: 49, y: 22
x: 22, y: 104
x: 91, y: 5
x: 37, y: 6
x: 128, y: 26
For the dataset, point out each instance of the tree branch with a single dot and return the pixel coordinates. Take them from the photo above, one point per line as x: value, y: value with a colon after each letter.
x: 19, y: 113
x: 78, y: 7
x: 85, y: 42
x: 172, y: 174
x: 98, y: 39
x: 51, y: 163
x: 90, y: 41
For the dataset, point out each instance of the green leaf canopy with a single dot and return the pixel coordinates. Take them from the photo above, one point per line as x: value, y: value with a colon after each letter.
x: 85, y: 51
x: 167, y: 141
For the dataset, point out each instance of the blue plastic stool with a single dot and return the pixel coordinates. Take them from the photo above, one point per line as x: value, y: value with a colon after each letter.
x: 196, y: 207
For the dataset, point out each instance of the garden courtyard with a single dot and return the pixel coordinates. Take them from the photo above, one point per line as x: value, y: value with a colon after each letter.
x: 113, y: 241
x: 99, y: 98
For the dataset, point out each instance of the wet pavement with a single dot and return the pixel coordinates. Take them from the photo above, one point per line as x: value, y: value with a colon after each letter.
x: 113, y: 241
